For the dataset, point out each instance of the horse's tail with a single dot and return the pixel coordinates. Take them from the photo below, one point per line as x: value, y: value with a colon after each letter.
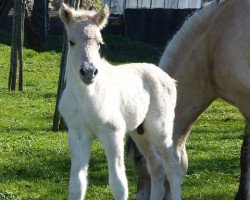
x: 133, y: 153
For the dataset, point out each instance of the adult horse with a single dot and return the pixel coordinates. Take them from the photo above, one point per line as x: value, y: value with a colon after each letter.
x: 210, y: 58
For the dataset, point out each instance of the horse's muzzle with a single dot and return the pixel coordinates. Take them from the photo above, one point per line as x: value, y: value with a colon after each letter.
x: 88, y: 73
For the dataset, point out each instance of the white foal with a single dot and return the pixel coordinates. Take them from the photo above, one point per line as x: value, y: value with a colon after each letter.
x: 104, y: 101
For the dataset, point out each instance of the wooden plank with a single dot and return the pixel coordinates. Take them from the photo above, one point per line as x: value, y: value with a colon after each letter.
x: 13, y: 63
x: 17, y: 46
x: 20, y: 46
x: 61, y: 84
x: 57, y: 120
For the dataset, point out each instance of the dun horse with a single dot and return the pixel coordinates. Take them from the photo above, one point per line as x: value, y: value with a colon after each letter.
x: 104, y: 101
x: 210, y: 58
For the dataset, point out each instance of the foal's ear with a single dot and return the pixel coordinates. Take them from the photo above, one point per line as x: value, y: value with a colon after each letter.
x: 101, y: 18
x: 66, y: 14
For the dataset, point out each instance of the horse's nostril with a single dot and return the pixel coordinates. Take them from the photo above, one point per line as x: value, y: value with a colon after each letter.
x: 95, y: 72
x: 82, y: 71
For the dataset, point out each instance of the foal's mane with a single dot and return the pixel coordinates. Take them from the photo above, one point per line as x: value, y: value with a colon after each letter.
x: 191, y: 29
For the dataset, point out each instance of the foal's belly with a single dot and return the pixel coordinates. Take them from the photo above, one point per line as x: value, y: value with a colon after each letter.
x: 135, y: 110
x: 115, y: 114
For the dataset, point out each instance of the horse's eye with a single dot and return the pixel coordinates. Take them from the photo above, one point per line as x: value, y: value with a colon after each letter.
x: 71, y: 43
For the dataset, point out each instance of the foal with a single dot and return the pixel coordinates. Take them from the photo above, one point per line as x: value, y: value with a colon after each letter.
x: 104, y: 101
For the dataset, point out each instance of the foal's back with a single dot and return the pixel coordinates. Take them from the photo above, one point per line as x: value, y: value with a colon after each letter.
x: 141, y: 89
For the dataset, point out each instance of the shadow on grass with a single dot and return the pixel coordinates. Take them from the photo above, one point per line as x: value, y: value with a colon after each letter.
x: 30, y: 129
x: 48, y: 161
x: 49, y: 95
x: 209, y: 131
x: 51, y: 165
x: 220, y: 165
x: 43, y: 165
x: 213, y: 196
x: 54, y: 42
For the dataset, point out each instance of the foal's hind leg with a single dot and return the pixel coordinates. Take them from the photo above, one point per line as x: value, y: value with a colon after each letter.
x: 172, y: 167
x: 154, y: 165
x: 114, y: 148
x: 161, y: 137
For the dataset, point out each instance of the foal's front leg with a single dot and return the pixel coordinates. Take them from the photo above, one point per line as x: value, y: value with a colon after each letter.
x: 79, y: 143
x: 113, y: 143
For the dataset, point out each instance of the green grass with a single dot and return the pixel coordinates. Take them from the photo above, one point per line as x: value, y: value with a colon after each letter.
x: 214, y: 149
x: 34, y: 161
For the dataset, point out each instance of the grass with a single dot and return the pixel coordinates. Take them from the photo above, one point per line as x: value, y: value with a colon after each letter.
x: 214, y: 149
x: 34, y: 161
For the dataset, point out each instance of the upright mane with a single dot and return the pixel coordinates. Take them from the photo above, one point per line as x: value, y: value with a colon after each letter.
x: 190, y: 30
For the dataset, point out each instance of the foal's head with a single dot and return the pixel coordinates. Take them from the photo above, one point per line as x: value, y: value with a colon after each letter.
x: 84, y: 39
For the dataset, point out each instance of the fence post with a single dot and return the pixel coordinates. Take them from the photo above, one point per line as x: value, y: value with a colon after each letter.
x: 57, y: 121
x: 61, y: 84
x: 20, y: 52
x: 17, y: 46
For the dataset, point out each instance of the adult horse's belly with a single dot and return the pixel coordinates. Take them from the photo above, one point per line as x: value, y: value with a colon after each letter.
x: 231, y: 53
x: 232, y: 72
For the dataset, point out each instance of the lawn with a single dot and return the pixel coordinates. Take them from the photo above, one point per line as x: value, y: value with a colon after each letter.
x: 34, y: 161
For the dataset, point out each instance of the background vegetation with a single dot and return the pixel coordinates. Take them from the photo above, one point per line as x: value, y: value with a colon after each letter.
x: 34, y: 161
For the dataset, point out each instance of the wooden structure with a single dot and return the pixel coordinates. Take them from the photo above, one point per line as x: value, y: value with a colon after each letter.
x: 16, y: 58
x: 57, y: 120
x: 36, y: 28
x: 58, y: 123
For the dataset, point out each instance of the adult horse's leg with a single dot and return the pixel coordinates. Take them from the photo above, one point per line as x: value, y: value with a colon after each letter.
x: 243, y: 191
x: 79, y: 145
x: 114, y: 148
x: 244, y: 187
x: 190, y: 105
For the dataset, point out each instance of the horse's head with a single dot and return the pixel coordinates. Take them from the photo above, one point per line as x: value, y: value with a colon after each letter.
x: 84, y: 38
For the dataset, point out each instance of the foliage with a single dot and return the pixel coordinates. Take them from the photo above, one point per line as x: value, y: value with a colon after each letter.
x: 34, y: 161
